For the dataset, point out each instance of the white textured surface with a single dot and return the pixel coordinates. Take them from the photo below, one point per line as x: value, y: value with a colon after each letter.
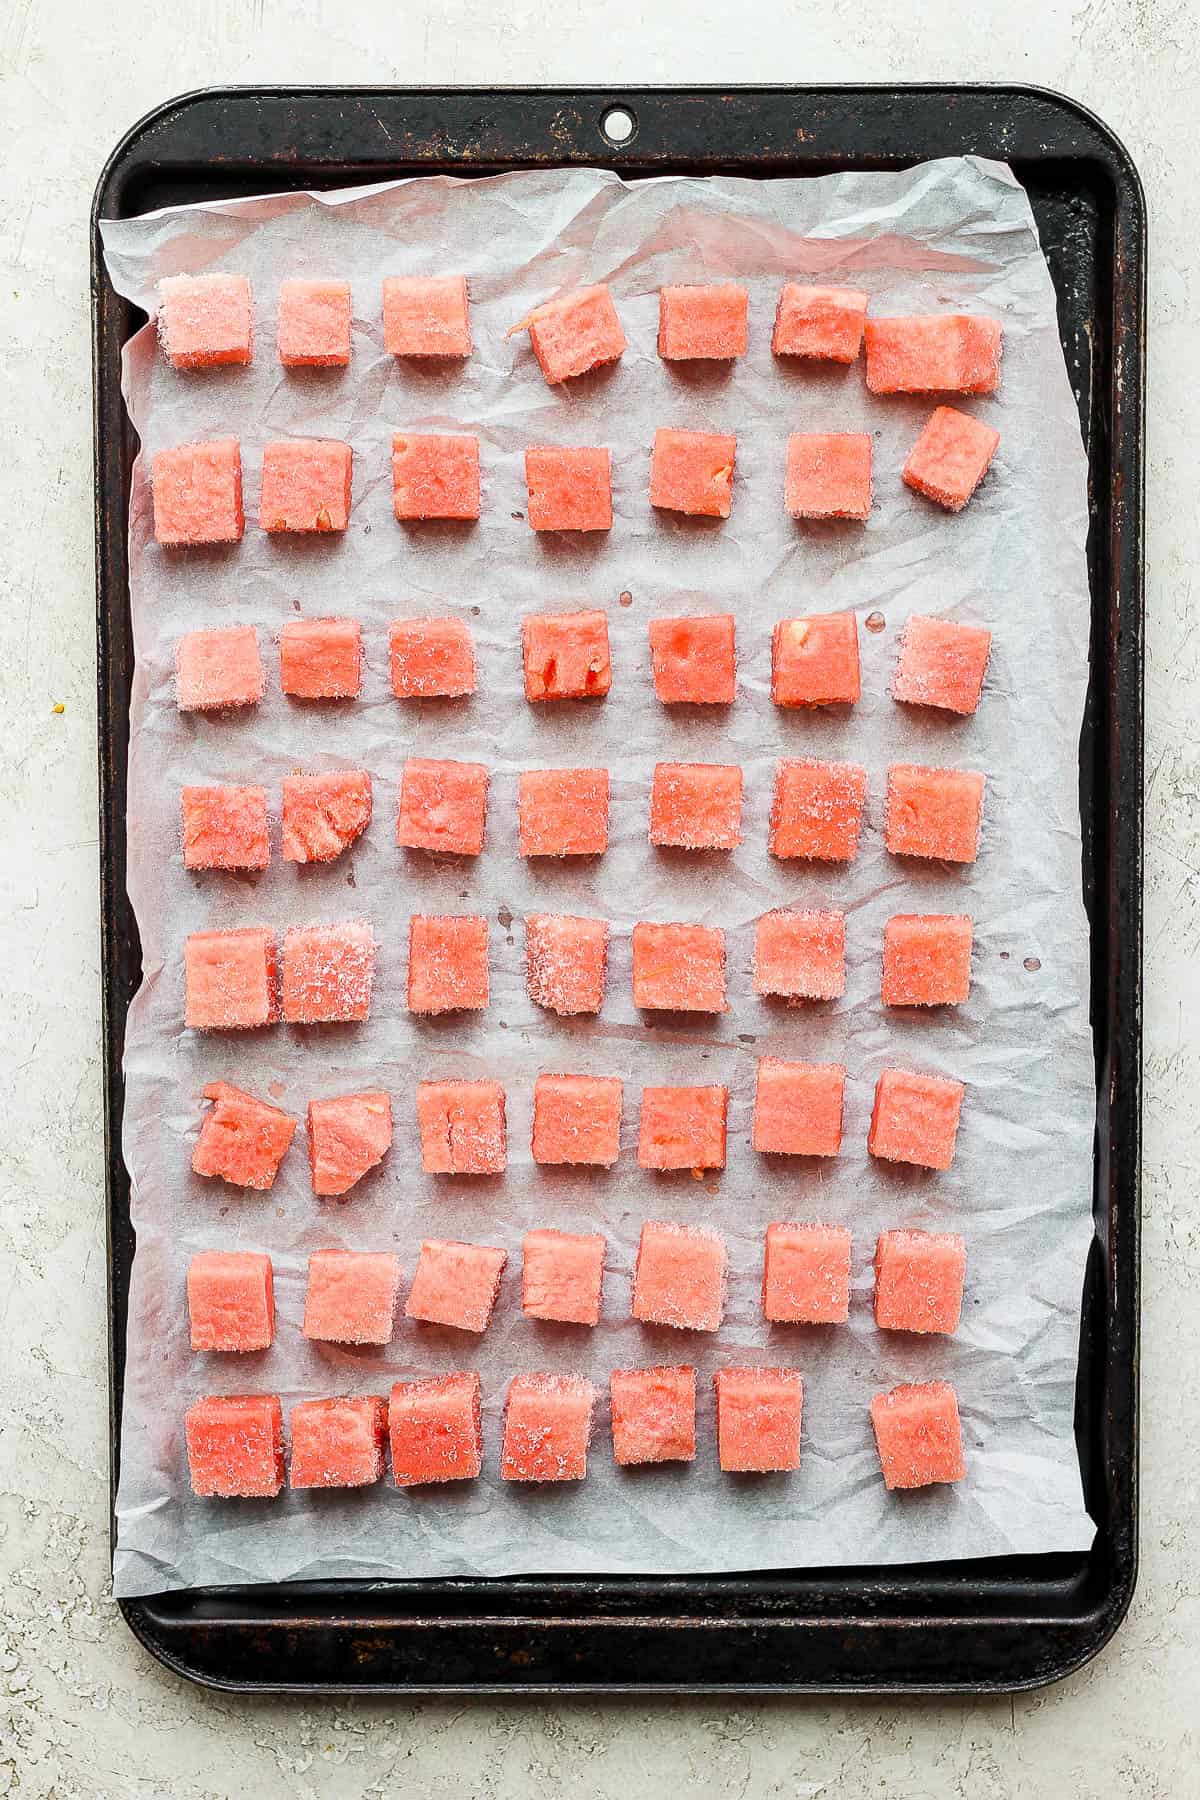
x: 82, y: 1710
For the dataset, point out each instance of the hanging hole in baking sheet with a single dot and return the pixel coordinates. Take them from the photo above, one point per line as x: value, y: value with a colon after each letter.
x: 618, y: 124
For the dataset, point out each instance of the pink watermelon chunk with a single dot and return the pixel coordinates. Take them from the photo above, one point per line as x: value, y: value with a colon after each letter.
x: 568, y: 489
x: 683, y: 1128
x: 696, y: 806
x: 205, y: 321
x: 230, y: 979
x: 462, y: 1127
x: 235, y: 1446
x: 426, y: 316
x: 456, y: 1284
x: 218, y: 668
x: 915, y: 1118
x: 566, y: 656
x: 305, y: 485
x: 817, y: 810
x: 313, y: 327
x: 800, y: 954
x: 225, y: 828
x: 436, y: 1430
x: 242, y: 1140
x: 692, y: 472
x: 563, y: 812
x: 806, y: 1275
x: 324, y: 814
x: 680, y: 1277
x: 798, y: 1108
x: 758, y: 1419
x: 432, y: 659
x: 814, y: 661
x: 933, y: 813
x: 577, y: 1119
x: 347, y: 1136
x: 328, y: 972
x: 931, y: 353
x: 231, y: 1300
x: 197, y: 494
x: 321, y: 659
x: 918, y: 1435
x: 927, y: 959
x: 950, y: 458
x: 338, y: 1443
x: 679, y: 968
x: 576, y: 332
x: 694, y: 660
x: 351, y: 1296
x: 828, y: 475
x: 941, y: 664
x: 566, y: 961
x: 708, y: 323
x: 547, y: 1425
x: 443, y: 806
x: 820, y: 322
x: 435, y: 477
x: 653, y: 1415
x: 919, y: 1280
x: 447, y: 963
x: 562, y: 1276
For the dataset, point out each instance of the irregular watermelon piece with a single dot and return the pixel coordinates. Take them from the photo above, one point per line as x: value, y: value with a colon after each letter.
x: 351, y: 1296
x: 456, y: 1284
x: 817, y: 810
x: 218, y: 668
x: 703, y: 322
x: 568, y: 489
x: 242, y: 1140
x: 806, y: 1275
x: 679, y: 968
x: 426, y: 316
x: 205, y: 321
x: 432, y: 659
x: 328, y: 971
x: 800, y: 955
x: 305, y: 485
x: 197, y: 494
x: 915, y: 1118
x: 576, y: 332
x: 462, y: 1127
x: 566, y: 656
x: 653, y: 1415
x: 814, y: 661
x: 566, y: 961
x: 231, y: 1300
x: 562, y: 1276
x: 577, y: 1119
x: 225, y: 828
x: 918, y: 1434
x: 447, y: 963
x: 230, y: 979
x: 547, y: 1424
x: 347, y: 1136
x: 927, y: 959
x: 683, y: 1128
x: 436, y: 1430
x: 313, y: 327
x: 950, y: 458
x: 933, y: 812
x: 321, y: 659
x: 828, y: 475
x: 679, y: 1278
x: 324, y: 814
x: 692, y: 472
x: 443, y: 806
x: 435, y: 477
x: 235, y: 1446
x: 930, y: 353
x: 919, y: 1280
x: 758, y: 1419
x: 696, y: 806
x: 798, y: 1108
x: 563, y: 812
x: 821, y: 322
x: 338, y: 1443
x: 693, y: 660
x: 941, y: 664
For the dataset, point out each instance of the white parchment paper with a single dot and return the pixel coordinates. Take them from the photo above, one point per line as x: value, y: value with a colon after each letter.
x: 947, y: 234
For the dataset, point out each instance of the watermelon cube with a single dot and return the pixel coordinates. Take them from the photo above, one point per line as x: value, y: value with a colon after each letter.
x: 918, y: 1434
x: 933, y: 812
x: 566, y: 960
x: 915, y: 1118
x: 814, y: 661
x: 566, y: 656
x: 197, y: 494
x: 218, y: 668
x: 230, y: 979
x: 563, y: 812
x: 426, y: 316
x: 338, y: 1443
x: 314, y: 325
x: 758, y: 1420
x: 927, y: 959
x: 225, y: 828
x: 435, y: 477
x: 242, y: 1140
x: 347, y: 1136
x: 547, y: 1424
x: 447, y: 963
x: 436, y: 1430
x: 456, y: 1284
x: 931, y: 353
x: 324, y: 814
x: 817, y: 810
x: 305, y: 485
x: 205, y: 320
x: 696, y: 806
x: 950, y: 458
x: 806, y: 1275
x: 919, y: 1280
x: 351, y: 1296
x: 235, y: 1446
x: 561, y: 1277
x: 577, y: 1119
x: 708, y: 323
x: 941, y: 664
x: 683, y: 1128
x: 800, y: 955
x: 653, y: 1415
x: 320, y: 659
x: 231, y: 1300
x: 576, y: 332
x: 679, y: 1278
x: 693, y: 660
x: 821, y: 322
x: 692, y: 472
x: 828, y: 475
x: 432, y: 659
x: 569, y: 490
x: 798, y: 1108
x: 679, y: 968
x: 443, y: 806
x: 462, y: 1127
x: 328, y: 971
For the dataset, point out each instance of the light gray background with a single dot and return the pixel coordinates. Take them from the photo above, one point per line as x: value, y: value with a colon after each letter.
x: 82, y: 1710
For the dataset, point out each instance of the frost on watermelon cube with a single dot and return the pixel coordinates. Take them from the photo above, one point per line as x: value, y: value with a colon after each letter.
x: 231, y: 1300
x: 692, y: 472
x: 443, y: 806
x: 683, y: 1128
x: 230, y: 979
x: 915, y: 1118
x: 680, y: 1276
x: 327, y: 973
x: 576, y: 332
x: 324, y: 814
x: 693, y: 660
x: 820, y: 322
x: 806, y: 1275
x: 321, y: 659
x: 800, y: 955
x: 918, y: 1434
x: 814, y: 661
x: 436, y: 1429
x: 568, y: 489
x: 941, y: 664
x: 577, y: 1119
x: 225, y: 828
x: 462, y: 1127
x: 653, y: 1415
x: 351, y: 1296
x: 242, y: 1140
x: 197, y: 494
x: 828, y: 475
x: 708, y: 323
x: 347, y: 1135
x: 696, y: 806
x: 547, y: 1424
x: 447, y: 963
x: 305, y: 485
x: 563, y: 812
x: 919, y: 1280
x: 435, y: 477
x: 561, y: 1277
x: 933, y: 812
x: 798, y: 1108
x: 679, y: 968
x: 927, y: 959
x: 950, y: 458
x: 218, y: 668
x: 235, y: 1446
x: 758, y: 1419
x: 205, y: 320
x: 338, y: 1443
x: 929, y: 353
x: 817, y: 810
x: 566, y: 961
x: 426, y: 315
x: 313, y: 327
x: 456, y: 1284
x: 566, y: 656
x: 432, y: 659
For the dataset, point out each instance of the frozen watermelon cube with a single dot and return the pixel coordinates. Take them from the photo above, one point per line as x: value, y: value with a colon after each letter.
x: 933, y: 812
x: 692, y: 472
x: 817, y: 810
x: 320, y: 659
x: 547, y: 1424
x: 351, y: 1296
x: 798, y: 1107
x: 436, y: 1430
x: 927, y: 959
x: 915, y: 1118
x: 679, y: 1278
x: 305, y: 485
x: 230, y: 979
x: 828, y: 475
x: 577, y: 1119
x: 683, y: 1128
x: 435, y: 477
x: 231, y: 1300
x: 443, y: 806
x: 566, y: 656
x: 561, y: 1277
x: 919, y: 1280
x: 929, y: 353
x: 462, y: 1127
x: 347, y: 1135
x: 941, y: 664
x: 806, y: 1275
x: 566, y: 960
x: 696, y: 806
x: 338, y: 1443
x: 821, y: 322
x: 235, y: 1446
x: 324, y: 814
x: 456, y: 1284
x: 432, y: 659
x: 563, y: 812
x: 314, y: 324
x: 950, y: 458
x: 693, y: 660
x: 197, y: 494
x: 569, y: 489
x: 800, y: 955
x: 814, y: 661
x: 758, y: 1419
x: 918, y: 1434
x: 447, y: 963
x: 426, y: 316
x: 218, y: 668
x: 205, y: 320
x: 327, y: 973
x: 225, y: 828
x: 653, y: 1415
x: 576, y: 332
x: 708, y: 323
x: 679, y: 968
x: 242, y: 1140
